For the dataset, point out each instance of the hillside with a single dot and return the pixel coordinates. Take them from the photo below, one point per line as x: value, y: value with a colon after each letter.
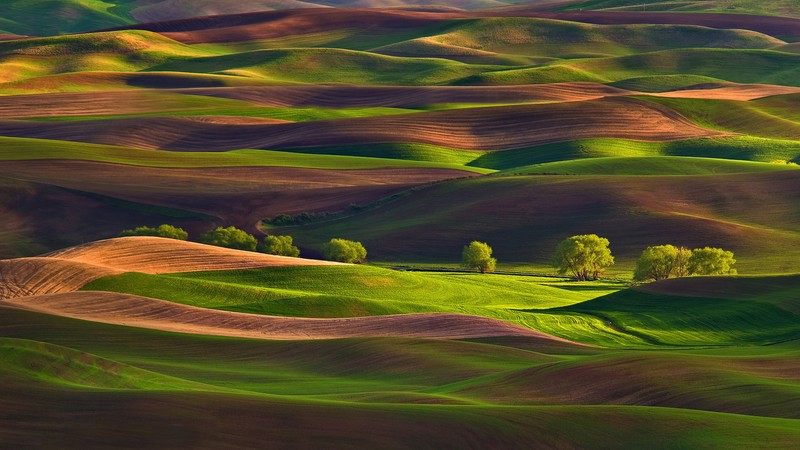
x: 752, y: 214
x: 415, y: 129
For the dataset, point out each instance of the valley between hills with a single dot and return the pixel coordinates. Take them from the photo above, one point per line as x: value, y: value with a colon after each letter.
x: 413, y: 129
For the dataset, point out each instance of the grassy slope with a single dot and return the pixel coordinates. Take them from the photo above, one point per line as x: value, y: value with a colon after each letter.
x: 510, y: 38
x: 21, y: 149
x: 382, y: 383
x: 328, y: 66
x: 94, y: 380
x: 544, y: 38
x: 787, y: 8
x: 742, y: 148
x: 752, y: 214
x: 661, y: 165
x: 757, y: 316
x: 355, y: 291
x: 747, y: 118
x: 583, y: 312
x: 638, y: 158
x: 121, y: 51
x: 47, y: 17
x: 740, y: 66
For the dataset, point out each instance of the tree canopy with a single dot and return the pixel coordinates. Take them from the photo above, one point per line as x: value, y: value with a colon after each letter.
x: 478, y: 255
x: 345, y: 251
x: 163, y: 230
x: 280, y: 245
x: 584, y: 257
x: 230, y: 237
x: 661, y: 262
x: 711, y: 261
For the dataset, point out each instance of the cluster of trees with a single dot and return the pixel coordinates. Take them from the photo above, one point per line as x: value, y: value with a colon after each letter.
x: 230, y: 237
x: 585, y: 257
x: 664, y: 261
x: 336, y: 249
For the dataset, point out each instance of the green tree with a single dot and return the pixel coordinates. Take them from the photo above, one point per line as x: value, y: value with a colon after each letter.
x: 345, y: 251
x: 280, y: 245
x: 656, y: 263
x: 230, y: 237
x: 163, y: 230
x: 478, y: 255
x: 681, y: 266
x: 584, y: 256
x: 711, y: 261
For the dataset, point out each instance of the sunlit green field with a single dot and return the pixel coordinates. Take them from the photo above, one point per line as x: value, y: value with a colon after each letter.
x: 414, y: 130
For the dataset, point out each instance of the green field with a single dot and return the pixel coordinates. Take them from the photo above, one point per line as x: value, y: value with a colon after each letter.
x: 414, y: 129
x: 496, y: 386
x: 21, y: 149
x: 778, y: 8
x: 196, y: 379
x: 726, y: 210
x: 588, y: 313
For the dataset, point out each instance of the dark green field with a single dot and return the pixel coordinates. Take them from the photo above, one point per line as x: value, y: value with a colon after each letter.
x: 414, y: 129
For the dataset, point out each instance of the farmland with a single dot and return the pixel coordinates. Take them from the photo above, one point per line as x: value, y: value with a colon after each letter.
x: 413, y: 129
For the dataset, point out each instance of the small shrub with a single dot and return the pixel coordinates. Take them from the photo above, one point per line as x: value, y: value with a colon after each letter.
x: 163, y: 230
x: 280, y: 245
x: 344, y: 251
x: 230, y: 237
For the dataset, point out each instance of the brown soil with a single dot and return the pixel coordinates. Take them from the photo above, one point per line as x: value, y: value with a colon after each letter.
x: 129, y: 310
x: 70, y: 269
x: 490, y: 128
x: 240, y: 196
x: 136, y: 102
x: 725, y: 91
x: 409, y: 96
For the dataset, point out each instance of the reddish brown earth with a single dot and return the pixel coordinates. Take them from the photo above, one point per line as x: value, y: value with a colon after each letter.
x: 137, y: 101
x: 70, y: 269
x: 407, y: 96
x: 91, y: 103
x: 648, y: 380
x: 237, y: 195
x: 490, y: 128
x: 130, y: 310
x: 726, y: 91
x: 46, y: 284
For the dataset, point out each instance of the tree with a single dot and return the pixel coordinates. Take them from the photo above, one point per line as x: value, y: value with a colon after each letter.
x: 711, y: 261
x: 230, y: 237
x: 163, y: 230
x: 584, y: 256
x: 345, y: 251
x: 681, y: 266
x: 280, y: 245
x: 656, y: 263
x: 478, y: 255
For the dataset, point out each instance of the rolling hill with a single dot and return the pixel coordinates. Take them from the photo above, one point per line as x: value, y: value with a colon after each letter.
x: 414, y: 128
